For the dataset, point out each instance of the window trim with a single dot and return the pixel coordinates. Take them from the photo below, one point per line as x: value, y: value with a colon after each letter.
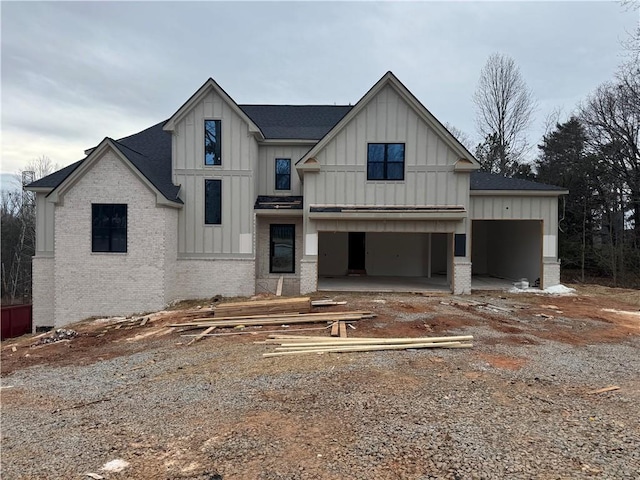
x: 293, y: 247
x: 219, y: 180
x: 385, y: 161
x: 111, y: 228
x: 218, y: 151
x: 275, y: 167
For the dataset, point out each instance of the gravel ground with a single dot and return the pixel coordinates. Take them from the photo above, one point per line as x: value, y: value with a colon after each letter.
x: 515, y: 406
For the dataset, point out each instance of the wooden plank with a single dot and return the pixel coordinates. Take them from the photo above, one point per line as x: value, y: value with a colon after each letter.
x: 343, y: 330
x: 334, y: 329
x: 370, y: 348
x: 279, y: 287
x: 283, y: 318
x: 326, y: 303
x: 250, y: 332
x: 208, y: 330
x: 603, y: 390
x: 324, y: 341
x: 272, y: 321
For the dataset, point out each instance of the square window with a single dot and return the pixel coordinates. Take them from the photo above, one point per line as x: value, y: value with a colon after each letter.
x: 213, y: 202
x: 283, y: 174
x: 282, y: 248
x: 109, y: 227
x: 212, y: 142
x: 385, y: 161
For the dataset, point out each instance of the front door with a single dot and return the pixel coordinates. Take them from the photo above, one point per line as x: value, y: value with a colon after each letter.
x: 357, y: 252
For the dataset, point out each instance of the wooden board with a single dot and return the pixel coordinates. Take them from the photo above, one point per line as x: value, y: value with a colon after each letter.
x: 279, y: 287
x: 208, y: 330
x: 343, y: 330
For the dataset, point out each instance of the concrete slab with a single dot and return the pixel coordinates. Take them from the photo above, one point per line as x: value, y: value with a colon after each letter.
x: 367, y: 283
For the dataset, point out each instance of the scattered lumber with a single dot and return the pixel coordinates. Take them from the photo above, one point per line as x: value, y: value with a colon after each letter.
x: 199, y: 337
x: 263, y: 307
x: 335, y: 329
x: 255, y: 320
x: 250, y: 332
x: 326, y: 303
x: 603, y: 390
x: 293, y: 345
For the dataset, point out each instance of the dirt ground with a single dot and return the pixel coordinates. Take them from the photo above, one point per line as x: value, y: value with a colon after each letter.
x: 291, y: 431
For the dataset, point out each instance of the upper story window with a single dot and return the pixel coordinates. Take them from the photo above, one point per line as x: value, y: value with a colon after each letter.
x: 283, y: 174
x: 212, y: 142
x: 212, y: 202
x: 385, y: 161
x: 109, y: 227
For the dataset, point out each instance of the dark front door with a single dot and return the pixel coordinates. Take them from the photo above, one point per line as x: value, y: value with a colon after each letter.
x: 356, y: 252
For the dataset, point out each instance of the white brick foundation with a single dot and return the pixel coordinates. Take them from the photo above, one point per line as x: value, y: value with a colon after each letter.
x: 208, y: 278
x: 550, y: 274
x: 309, y: 275
x: 43, y: 291
x: 461, y: 277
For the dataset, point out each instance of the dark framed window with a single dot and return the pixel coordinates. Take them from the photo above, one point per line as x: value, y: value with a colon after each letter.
x: 212, y: 142
x: 213, y: 202
x: 109, y: 227
x: 283, y: 174
x: 385, y: 161
x: 282, y: 244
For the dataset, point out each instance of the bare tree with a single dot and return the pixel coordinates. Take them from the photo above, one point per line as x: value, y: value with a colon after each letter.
x: 611, y: 116
x: 17, y: 213
x: 504, y: 106
x: 461, y: 136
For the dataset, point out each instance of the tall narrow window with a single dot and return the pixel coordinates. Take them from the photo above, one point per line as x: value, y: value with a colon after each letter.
x: 213, y: 202
x: 212, y: 142
x: 385, y: 161
x: 109, y: 227
x: 283, y: 174
x: 282, y: 248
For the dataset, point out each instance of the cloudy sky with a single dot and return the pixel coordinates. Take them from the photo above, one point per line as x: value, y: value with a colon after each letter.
x: 75, y: 72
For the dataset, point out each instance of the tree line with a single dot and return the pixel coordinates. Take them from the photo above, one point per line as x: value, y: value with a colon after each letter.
x: 594, y: 154
x: 18, y: 231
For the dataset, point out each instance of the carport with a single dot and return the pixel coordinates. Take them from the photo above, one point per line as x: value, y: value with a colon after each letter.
x: 507, y: 250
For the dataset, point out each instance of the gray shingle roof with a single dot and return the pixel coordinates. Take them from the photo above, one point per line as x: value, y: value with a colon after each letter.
x: 296, y: 122
x: 150, y: 149
x: 150, y: 152
x: 491, y: 181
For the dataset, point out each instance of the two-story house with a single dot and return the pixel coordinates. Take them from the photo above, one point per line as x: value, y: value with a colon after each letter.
x: 224, y: 199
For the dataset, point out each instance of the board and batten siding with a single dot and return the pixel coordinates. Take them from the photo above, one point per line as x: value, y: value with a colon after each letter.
x: 501, y: 207
x: 45, y: 225
x: 266, y: 178
x: 233, y: 237
x: 429, y: 177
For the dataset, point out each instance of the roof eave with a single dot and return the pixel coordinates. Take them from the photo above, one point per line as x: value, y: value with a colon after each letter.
x: 518, y: 193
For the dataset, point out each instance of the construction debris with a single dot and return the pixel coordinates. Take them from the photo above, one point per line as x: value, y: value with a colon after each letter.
x: 604, y: 390
x: 255, y: 320
x: 326, y: 303
x: 294, y: 345
x: 263, y: 307
x: 57, y: 336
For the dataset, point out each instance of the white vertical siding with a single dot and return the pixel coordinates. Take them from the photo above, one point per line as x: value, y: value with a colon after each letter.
x: 429, y: 162
x: 239, y: 161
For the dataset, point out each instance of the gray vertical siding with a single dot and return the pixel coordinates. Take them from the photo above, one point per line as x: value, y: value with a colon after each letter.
x: 45, y: 227
x: 266, y: 178
x: 239, y: 160
x: 514, y: 207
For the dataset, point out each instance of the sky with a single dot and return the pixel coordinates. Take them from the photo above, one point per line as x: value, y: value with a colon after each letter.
x: 73, y: 73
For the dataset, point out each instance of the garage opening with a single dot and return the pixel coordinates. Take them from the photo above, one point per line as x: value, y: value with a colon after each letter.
x: 384, y: 261
x: 505, y: 251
